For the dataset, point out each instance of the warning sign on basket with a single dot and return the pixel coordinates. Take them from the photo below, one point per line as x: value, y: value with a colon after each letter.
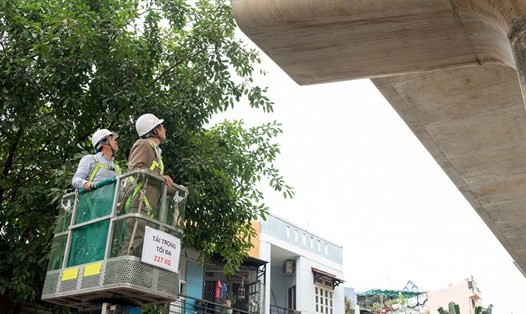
x: 161, y: 249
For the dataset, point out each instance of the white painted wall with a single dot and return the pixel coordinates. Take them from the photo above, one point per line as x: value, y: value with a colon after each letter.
x: 321, y: 255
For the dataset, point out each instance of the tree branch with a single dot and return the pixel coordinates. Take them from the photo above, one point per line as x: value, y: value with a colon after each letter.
x: 9, y: 162
x: 173, y: 67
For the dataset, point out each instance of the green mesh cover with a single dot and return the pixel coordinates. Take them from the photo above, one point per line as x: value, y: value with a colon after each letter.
x: 119, y: 234
x: 88, y: 243
x: 128, y: 236
x: 58, y: 247
x: 65, y: 211
x: 95, y: 204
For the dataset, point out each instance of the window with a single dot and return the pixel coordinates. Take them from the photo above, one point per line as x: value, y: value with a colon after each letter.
x: 324, y: 284
x: 323, y: 300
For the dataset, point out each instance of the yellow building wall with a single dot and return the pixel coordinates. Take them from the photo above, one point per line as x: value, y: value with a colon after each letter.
x: 254, y: 251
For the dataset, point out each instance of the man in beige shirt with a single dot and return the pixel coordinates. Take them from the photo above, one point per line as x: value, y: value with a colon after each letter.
x: 146, y: 153
x: 145, y: 193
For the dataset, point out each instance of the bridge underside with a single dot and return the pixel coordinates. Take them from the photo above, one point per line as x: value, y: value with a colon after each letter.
x: 452, y: 69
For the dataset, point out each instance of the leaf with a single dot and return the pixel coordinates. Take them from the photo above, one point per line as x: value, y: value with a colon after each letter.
x: 69, y: 68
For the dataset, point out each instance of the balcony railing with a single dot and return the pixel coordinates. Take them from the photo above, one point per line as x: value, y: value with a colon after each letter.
x: 189, y: 305
x: 274, y: 309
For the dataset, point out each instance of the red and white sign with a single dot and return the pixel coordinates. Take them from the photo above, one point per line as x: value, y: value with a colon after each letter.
x: 161, y: 249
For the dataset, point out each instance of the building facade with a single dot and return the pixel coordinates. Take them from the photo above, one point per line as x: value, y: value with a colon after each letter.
x: 288, y: 271
x: 305, y: 271
x: 466, y: 294
x: 206, y: 289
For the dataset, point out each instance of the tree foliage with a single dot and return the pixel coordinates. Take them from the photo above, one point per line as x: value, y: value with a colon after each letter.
x: 70, y: 67
x: 455, y: 309
x: 482, y: 310
x: 452, y: 307
x: 349, y: 308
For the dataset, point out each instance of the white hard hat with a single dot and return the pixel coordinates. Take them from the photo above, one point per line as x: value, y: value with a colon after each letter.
x: 100, y: 135
x: 146, y: 123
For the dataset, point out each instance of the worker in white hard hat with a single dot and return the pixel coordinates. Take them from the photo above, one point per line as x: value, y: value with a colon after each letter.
x: 145, y: 154
x: 100, y: 166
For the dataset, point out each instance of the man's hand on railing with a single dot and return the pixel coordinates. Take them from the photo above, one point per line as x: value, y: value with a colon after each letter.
x: 168, y: 180
x: 88, y: 185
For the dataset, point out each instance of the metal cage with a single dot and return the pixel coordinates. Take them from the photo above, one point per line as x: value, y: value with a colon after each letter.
x: 97, y: 250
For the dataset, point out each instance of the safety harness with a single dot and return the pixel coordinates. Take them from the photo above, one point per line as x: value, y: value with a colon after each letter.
x: 98, y: 165
x: 156, y: 164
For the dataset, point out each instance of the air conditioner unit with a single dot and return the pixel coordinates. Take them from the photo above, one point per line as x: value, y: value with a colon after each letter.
x: 288, y: 267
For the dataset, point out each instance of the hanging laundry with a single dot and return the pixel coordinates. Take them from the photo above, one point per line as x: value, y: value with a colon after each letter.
x: 218, y: 289
x: 224, y: 289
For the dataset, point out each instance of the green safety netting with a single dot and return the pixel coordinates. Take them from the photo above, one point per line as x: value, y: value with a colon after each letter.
x: 56, y: 255
x: 88, y: 243
x: 65, y: 212
x: 97, y: 203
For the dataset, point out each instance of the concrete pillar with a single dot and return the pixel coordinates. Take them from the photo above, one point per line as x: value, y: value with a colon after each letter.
x: 517, y: 38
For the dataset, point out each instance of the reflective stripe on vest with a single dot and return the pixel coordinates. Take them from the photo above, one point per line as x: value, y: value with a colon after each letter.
x: 98, y: 165
x: 158, y: 162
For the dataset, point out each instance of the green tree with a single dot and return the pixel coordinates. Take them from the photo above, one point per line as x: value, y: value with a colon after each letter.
x: 453, y: 309
x: 481, y: 310
x: 70, y: 67
x: 349, y: 309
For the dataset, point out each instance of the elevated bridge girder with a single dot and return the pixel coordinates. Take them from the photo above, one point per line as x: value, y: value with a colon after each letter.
x: 454, y: 70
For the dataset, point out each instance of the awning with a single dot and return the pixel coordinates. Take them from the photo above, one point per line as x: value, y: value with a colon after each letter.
x: 320, y: 274
x: 389, y: 293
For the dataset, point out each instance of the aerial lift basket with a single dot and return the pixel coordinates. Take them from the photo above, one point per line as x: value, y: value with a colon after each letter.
x: 99, y: 252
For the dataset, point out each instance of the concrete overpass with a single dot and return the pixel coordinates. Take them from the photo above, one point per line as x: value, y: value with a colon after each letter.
x: 453, y: 69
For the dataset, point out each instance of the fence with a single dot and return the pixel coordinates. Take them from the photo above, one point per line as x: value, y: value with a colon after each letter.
x: 274, y: 309
x: 188, y: 305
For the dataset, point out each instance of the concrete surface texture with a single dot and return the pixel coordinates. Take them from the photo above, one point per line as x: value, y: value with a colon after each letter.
x: 453, y: 69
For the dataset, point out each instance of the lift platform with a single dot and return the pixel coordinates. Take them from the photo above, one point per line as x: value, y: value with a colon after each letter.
x: 109, y: 246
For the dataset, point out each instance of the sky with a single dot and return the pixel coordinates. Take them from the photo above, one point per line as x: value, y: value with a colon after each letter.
x: 363, y: 181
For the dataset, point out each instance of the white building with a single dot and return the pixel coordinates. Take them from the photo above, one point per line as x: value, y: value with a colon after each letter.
x: 304, y: 271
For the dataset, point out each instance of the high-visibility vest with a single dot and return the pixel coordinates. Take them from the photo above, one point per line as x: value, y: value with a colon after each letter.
x: 158, y: 162
x: 98, y: 165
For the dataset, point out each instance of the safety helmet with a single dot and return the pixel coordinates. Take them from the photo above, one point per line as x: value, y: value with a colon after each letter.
x: 146, y: 123
x: 101, y: 135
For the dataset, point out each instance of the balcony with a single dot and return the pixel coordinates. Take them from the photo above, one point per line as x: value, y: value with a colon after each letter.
x: 274, y: 309
x: 189, y: 305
